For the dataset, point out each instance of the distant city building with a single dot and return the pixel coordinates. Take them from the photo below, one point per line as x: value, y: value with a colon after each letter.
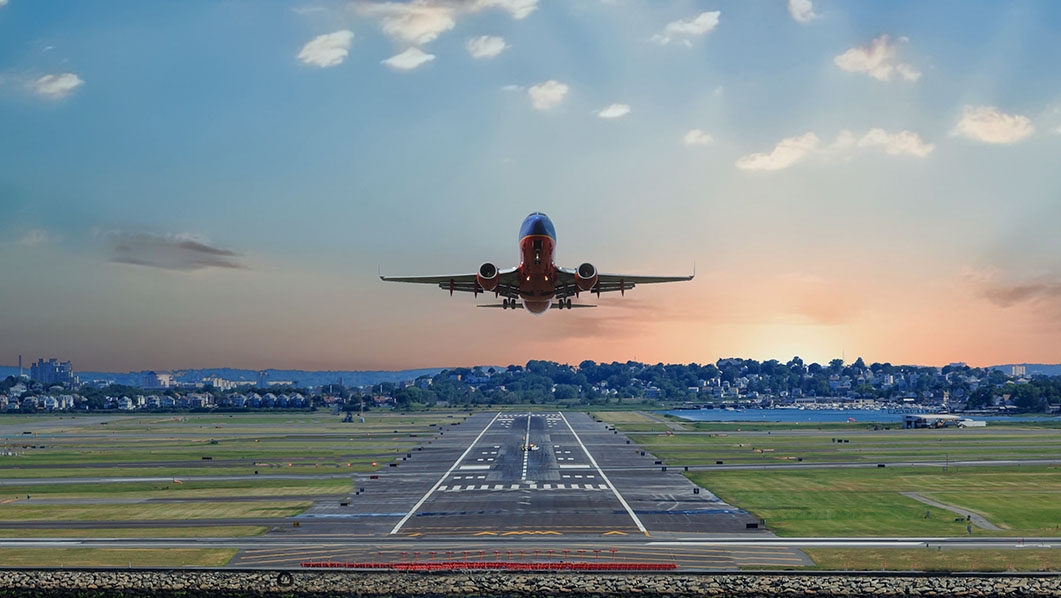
x: 1017, y: 371
x: 52, y: 372
x: 155, y: 380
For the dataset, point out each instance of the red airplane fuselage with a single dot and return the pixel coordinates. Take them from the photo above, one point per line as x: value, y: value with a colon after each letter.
x: 537, y: 272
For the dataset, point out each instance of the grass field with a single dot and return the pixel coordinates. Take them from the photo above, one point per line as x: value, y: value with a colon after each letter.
x: 108, y: 557
x: 223, y: 531
x: 1024, y: 501
x: 924, y: 559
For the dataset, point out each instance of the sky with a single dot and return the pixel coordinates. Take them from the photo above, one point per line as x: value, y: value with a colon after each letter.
x: 218, y: 184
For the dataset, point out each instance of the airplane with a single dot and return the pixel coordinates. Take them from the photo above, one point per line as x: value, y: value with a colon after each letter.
x: 537, y: 284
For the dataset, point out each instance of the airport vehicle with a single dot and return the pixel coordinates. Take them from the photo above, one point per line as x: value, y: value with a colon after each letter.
x: 537, y: 283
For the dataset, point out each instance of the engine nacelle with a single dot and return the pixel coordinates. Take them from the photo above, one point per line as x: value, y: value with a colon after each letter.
x: 586, y: 277
x: 488, y: 276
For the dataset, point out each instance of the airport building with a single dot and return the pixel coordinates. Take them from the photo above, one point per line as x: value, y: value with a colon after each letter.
x: 939, y: 420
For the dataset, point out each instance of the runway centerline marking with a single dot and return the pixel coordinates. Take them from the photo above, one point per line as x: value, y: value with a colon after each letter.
x: 526, y: 449
x: 604, y: 477
x: 449, y: 471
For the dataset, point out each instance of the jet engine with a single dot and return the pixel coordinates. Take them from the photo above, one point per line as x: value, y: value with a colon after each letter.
x: 488, y: 276
x: 586, y: 277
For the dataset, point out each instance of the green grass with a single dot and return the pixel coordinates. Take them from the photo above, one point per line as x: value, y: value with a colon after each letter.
x: 170, y: 490
x: 925, y: 559
x: 867, y: 502
x: 108, y: 557
x: 149, y: 512
x: 816, y: 446
x: 226, y: 531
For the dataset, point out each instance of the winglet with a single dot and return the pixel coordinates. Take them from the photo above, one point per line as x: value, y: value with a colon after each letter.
x: 694, y: 271
x: 379, y: 271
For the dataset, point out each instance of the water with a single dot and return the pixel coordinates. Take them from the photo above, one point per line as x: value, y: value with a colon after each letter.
x: 816, y: 416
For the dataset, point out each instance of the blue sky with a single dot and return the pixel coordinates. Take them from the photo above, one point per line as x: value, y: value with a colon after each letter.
x: 216, y: 183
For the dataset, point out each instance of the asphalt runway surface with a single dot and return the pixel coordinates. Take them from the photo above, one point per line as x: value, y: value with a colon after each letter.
x: 532, y: 486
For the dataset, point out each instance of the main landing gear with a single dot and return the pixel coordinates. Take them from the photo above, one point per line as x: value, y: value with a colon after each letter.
x: 563, y: 303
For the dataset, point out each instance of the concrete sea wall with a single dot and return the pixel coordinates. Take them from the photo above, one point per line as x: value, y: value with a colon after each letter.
x: 297, y: 583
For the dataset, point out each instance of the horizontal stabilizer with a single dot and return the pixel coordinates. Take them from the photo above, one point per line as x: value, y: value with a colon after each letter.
x: 520, y: 306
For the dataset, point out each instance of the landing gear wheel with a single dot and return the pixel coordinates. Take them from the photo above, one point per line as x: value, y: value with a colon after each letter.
x: 568, y: 304
x: 504, y: 304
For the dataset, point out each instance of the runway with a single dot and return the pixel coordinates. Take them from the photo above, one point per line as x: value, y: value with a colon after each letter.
x: 553, y: 486
x: 546, y: 486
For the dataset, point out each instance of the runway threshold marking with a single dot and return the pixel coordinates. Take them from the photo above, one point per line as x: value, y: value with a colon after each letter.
x: 449, y: 471
x: 604, y: 477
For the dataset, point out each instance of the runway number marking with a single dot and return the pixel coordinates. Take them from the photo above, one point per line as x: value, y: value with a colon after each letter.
x: 453, y: 467
x: 604, y: 477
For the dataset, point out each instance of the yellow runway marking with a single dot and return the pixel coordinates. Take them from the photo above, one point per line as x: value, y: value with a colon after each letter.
x: 614, y: 533
x: 485, y: 534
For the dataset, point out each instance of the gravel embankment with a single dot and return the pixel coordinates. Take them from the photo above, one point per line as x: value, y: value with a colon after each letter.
x: 242, y: 583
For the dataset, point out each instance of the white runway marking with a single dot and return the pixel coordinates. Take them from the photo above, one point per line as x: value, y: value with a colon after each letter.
x: 526, y: 450
x: 604, y: 477
x: 453, y: 467
x: 473, y: 467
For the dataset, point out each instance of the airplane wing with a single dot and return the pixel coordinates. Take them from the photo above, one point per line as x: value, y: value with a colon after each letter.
x: 508, y: 285
x: 610, y: 282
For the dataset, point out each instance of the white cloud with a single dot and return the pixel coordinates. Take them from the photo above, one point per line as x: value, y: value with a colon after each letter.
x: 485, y: 46
x: 36, y: 236
x: 802, y: 10
x: 896, y: 144
x: 57, y: 86
x: 991, y: 125
x: 421, y: 21
x: 327, y: 50
x: 3, y: 3
x: 787, y: 152
x: 614, y: 111
x: 409, y: 59
x: 417, y: 22
x: 512, y: 87
x: 547, y: 95
x: 683, y: 30
x: 519, y: 9
x: 697, y: 137
x: 878, y: 60
x: 791, y: 150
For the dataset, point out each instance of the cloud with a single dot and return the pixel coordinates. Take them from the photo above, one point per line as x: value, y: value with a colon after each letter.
x: 684, y: 30
x: 895, y: 144
x: 3, y: 3
x: 55, y: 87
x: 991, y: 125
x: 547, y: 95
x: 408, y: 60
x: 802, y: 10
x: 36, y: 236
x: 697, y: 137
x: 1040, y: 294
x: 421, y: 21
x: 169, y: 252
x: 519, y: 9
x: 878, y: 60
x: 792, y: 150
x: 327, y: 50
x: 787, y: 152
x: 614, y: 111
x: 485, y: 46
x: 418, y: 22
